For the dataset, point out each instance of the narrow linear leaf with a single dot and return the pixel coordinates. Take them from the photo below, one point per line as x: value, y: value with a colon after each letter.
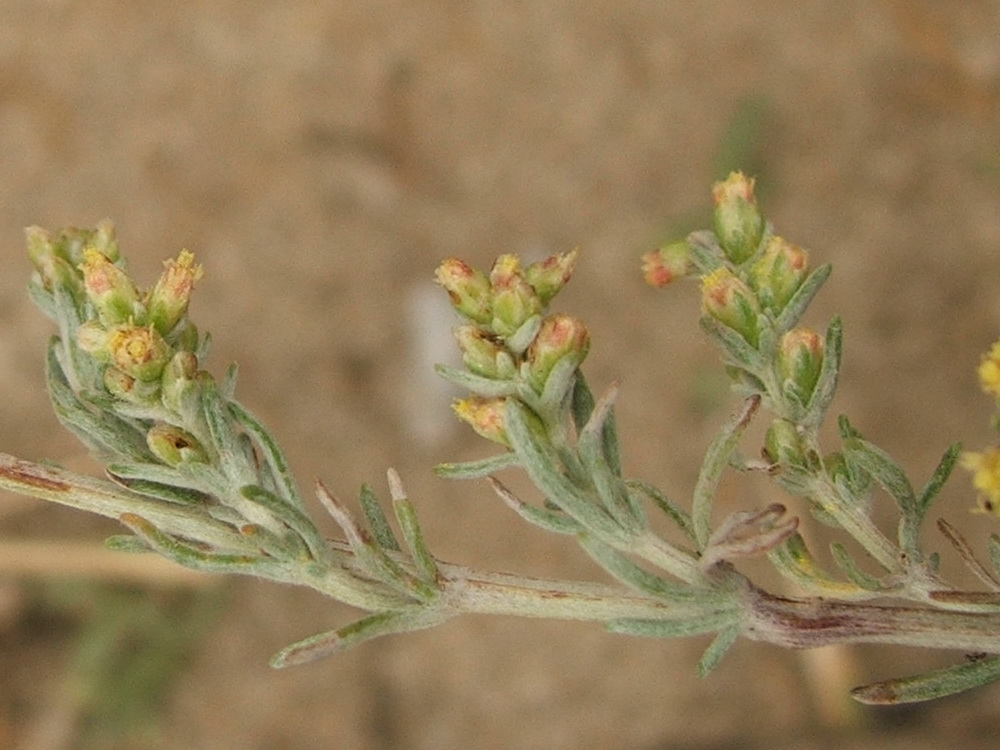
x: 583, y: 405
x: 673, y: 511
x: 176, y: 495
x: 718, y: 648
x: 550, y: 520
x: 481, y: 386
x: 104, y: 433
x: 126, y: 473
x: 185, y: 554
x: 545, y: 474
x: 371, y: 558
x: 993, y: 547
x: 477, y: 469
x: 735, y: 348
x: 794, y: 561
x: 225, y: 438
x: 274, y: 458
x: 802, y: 298
x: 884, y: 469
x: 413, y: 536
x: 607, y: 482
x: 716, y: 460
x: 127, y: 543
x: 294, y: 519
x: 706, y: 253
x: 955, y: 538
x: 829, y: 372
x: 373, y: 626
x: 626, y: 571
x: 854, y: 573
x: 931, y: 685
x: 377, y: 520
x: 938, y: 479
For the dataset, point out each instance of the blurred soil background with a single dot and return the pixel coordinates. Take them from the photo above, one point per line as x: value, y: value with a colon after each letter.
x: 320, y: 159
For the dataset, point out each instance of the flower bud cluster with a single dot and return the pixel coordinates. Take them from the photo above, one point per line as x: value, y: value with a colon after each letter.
x: 141, y: 340
x: 136, y: 333
x: 508, y: 335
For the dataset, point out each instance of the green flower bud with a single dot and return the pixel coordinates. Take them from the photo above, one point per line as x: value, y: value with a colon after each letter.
x: 95, y: 340
x: 468, y: 288
x: 560, y: 337
x: 731, y: 302
x: 481, y: 352
x: 174, y: 446
x: 179, y: 380
x: 53, y: 266
x: 739, y: 224
x: 109, y: 288
x: 548, y: 277
x: 127, y: 388
x: 800, y: 359
x: 104, y: 239
x: 778, y: 273
x: 783, y: 444
x: 673, y: 261
x: 514, y: 299
x: 169, y: 298
x: 139, y: 351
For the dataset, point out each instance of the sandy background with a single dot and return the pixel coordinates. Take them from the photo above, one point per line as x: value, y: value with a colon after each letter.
x: 321, y: 158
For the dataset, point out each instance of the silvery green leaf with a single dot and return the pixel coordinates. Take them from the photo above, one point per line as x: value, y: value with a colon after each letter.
x: 477, y: 469
x: 477, y: 384
x: 931, y: 685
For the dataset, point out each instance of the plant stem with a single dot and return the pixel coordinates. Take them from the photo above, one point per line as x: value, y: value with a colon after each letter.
x: 791, y: 623
x: 812, y: 622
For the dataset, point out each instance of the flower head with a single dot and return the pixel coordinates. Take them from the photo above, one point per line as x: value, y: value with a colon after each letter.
x: 515, y: 301
x: 168, y: 300
x: 548, y: 277
x: 985, y: 468
x: 989, y: 371
x: 109, y: 288
x: 739, y: 224
x: 560, y: 338
x: 138, y: 351
x: 673, y: 261
x: 485, y: 415
x: 778, y: 273
x: 468, y: 288
x: 730, y: 301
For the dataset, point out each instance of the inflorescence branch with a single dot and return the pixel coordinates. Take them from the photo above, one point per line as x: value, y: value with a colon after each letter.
x: 196, y: 478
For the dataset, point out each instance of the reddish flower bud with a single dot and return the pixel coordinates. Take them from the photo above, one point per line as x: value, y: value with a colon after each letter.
x: 548, y: 277
x: 560, y: 337
x: 730, y: 301
x: 514, y: 299
x: 739, y: 224
x: 168, y: 300
x: 468, y: 288
x: 109, y: 288
x: 673, y: 261
x: 778, y: 273
x: 486, y: 415
x: 800, y: 359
